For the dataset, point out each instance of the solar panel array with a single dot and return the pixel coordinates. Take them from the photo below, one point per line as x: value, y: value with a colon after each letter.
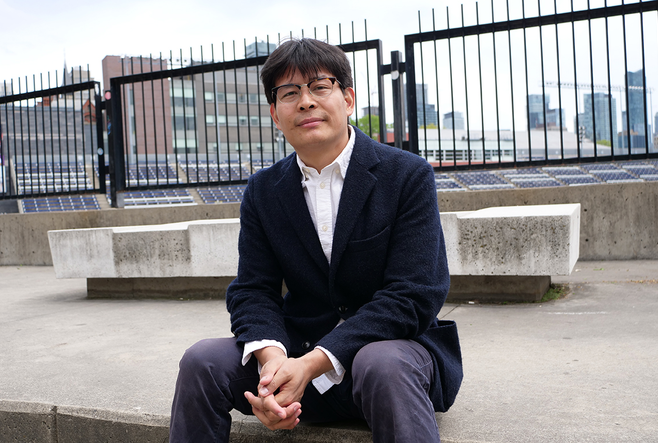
x: 61, y: 203
x: 532, y: 177
x: 549, y: 176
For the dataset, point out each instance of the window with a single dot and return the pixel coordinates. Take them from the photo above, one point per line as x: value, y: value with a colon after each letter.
x: 242, y: 98
x: 221, y: 119
x: 243, y: 120
x: 210, y: 120
x: 209, y: 96
x: 255, y: 121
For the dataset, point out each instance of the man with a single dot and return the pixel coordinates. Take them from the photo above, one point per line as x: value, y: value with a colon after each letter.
x: 352, y: 227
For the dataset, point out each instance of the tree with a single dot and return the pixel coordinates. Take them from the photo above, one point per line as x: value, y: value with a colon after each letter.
x: 364, y: 124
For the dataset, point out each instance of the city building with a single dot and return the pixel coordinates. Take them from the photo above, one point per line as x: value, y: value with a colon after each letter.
x: 633, y: 120
x: 537, y: 112
x: 453, y: 120
x: 426, y: 113
x: 216, y: 115
x: 605, y: 107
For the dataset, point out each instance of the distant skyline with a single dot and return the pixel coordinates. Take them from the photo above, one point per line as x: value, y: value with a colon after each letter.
x: 40, y: 36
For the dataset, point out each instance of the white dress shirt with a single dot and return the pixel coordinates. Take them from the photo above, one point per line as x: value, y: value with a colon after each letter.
x: 322, y: 192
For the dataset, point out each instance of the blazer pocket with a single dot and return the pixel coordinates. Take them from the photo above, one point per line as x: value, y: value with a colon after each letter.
x: 371, y: 242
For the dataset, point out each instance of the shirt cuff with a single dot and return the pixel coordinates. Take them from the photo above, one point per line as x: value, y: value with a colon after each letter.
x: 324, y: 382
x: 253, y: 346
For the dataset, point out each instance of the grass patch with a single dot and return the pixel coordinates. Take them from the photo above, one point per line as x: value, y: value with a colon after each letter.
x: 555, y: 292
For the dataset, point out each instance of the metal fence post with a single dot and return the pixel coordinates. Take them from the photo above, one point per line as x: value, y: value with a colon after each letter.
x: 412, y: 111
x: 397, y: 69
x: 100, y: 147
x: 115, y: 142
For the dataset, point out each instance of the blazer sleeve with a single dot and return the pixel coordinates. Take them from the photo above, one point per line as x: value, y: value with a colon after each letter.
x: 415, y: 278
x: 254, y: 298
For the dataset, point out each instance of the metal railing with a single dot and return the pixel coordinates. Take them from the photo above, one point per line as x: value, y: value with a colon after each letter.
x: 50, y: 142
x: 204, y: 121
x: 491, y: 81
x: 207, y: 123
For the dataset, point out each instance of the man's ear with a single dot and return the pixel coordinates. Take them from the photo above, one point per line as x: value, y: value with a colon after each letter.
x: 275, y: 116
x: 349, y: 95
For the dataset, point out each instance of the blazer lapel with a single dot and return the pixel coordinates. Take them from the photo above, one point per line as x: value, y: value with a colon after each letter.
x: 291, y: 196
x: 358, y: 185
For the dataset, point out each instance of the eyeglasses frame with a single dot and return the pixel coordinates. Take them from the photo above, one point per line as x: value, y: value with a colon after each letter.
x: 334, y: 80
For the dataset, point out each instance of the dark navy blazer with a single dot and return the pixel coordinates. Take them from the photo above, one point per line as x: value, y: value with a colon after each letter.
x: 388, y: 276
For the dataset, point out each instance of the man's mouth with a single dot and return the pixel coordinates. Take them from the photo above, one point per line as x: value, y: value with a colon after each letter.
x: 310, y: 122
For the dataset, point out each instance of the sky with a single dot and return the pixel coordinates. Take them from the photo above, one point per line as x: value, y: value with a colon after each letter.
x: 39, y: 36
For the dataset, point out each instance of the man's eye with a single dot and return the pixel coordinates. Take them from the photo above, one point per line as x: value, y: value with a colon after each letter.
x: 289, y: 93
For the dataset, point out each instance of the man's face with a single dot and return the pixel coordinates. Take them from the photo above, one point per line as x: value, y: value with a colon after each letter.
x: 314, y: 123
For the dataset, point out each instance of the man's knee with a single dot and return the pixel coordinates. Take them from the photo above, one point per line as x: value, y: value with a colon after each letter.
x: 386, y: 361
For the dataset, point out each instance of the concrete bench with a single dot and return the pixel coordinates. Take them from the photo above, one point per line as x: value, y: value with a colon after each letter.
x: 494, y: 254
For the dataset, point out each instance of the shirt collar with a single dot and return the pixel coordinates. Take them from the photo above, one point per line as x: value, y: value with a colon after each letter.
x: 343, y: 159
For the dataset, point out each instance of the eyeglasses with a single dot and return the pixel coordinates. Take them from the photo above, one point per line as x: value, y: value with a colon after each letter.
x: 319, y: 87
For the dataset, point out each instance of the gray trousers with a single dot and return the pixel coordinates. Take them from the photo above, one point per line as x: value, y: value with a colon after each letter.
x: 388, y: 387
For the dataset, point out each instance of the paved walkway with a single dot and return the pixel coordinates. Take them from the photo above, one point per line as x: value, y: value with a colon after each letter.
x: 580, y: 369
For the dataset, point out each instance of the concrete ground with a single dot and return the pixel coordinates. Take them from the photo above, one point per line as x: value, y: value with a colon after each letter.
x: 579, y: 369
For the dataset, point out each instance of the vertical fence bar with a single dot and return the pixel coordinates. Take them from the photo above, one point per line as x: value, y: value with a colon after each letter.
x: 511, y: 81
x: 607, y: 47
x: 644, y: 84
x: 527, y: 90
x: 628, y: 113
x: 575, y: 81
x: 228, y: 136
x: 452, y: 93
x: 468, y: 117
x: 559, y: 83
x: 543, y: 84
x: 100, y: 151
x: 412, y: 118
x: 164, y: 120
x: 591, y: 75
x: 247, y: 100
x: 495, y: 66
x: 204, y: 121
x: 155, y: 127
x: 237, y: 113
x: 398, y: 101
x: 195, y: 120
x: 477, y: 20
x: 436, y: 76
x: 422, y: 90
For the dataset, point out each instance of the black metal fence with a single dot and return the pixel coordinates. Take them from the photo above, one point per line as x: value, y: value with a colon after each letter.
x: 476, y: 96
x: 50, y: 142
x: 493, y: 81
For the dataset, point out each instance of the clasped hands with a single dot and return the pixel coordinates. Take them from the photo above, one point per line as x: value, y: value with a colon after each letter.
x: 282, y: 384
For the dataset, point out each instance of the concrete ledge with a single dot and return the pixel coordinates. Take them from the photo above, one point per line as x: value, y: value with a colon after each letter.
x: 170, y: 287
x: 497, y: 288
x: 198, y: 259
x: 28, y: 422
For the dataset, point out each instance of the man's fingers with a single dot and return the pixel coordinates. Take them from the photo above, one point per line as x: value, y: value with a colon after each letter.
x: 270, y: 404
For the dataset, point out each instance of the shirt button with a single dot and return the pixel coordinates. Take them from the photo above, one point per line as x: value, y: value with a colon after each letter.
x: 306, y: 345
x: 342, y: 309
x: 322, y: 185
x: 324, y: 228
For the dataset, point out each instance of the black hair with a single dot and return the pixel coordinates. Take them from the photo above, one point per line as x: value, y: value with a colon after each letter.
x: 308, y: 57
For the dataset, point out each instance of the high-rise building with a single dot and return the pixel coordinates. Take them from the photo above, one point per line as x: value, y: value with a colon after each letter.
x: 453, y: 120
x: 537, y: 112
x: 426, y: 114
x: 605, y: 106
x: 633, y: 125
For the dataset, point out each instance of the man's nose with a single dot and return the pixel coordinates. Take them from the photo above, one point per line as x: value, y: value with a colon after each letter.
x: 306, y: 99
